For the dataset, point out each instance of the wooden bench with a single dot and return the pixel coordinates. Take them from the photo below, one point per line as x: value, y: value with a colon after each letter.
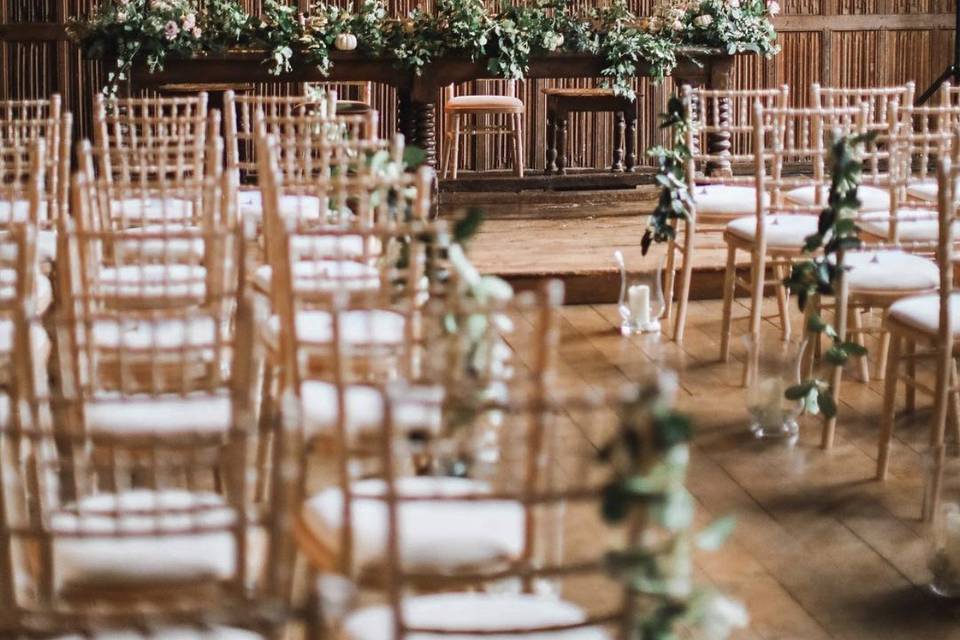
x: 562, y: 102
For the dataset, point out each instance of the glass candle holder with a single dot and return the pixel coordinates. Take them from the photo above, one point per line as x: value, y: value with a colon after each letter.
x: 944, y: 531
x: 641, y: 298
x: 771, y: 370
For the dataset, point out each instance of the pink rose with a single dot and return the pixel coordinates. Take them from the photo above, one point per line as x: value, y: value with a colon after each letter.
x: 171, y: 30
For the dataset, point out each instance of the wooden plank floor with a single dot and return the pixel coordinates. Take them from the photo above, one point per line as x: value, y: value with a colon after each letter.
x: 821, y: 550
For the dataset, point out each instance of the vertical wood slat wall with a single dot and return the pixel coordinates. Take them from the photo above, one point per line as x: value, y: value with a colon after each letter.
x: 839, y: 42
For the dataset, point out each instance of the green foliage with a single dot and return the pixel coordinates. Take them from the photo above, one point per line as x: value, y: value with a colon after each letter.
x: 137, y: 30
x: 817, y: 276
x: 647, y: 458
x: 674, y: 202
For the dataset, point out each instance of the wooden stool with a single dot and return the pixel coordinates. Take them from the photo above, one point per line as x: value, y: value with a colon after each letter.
x: 561, y: 102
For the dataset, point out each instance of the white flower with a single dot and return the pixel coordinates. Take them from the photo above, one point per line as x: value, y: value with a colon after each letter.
x: 654, y: 25
x: 703, y: 21
x: 734, y: 4
x: 171, y: 30
x: 773, y: 8
x: 189, y: 22
x: 677, y: 25
x: 197, y: 32
x: 121, y: 16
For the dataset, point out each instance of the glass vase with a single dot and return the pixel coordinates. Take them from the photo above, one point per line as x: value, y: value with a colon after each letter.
x: 944, y: 532
x: 641, y: 297
x: 771, y: 370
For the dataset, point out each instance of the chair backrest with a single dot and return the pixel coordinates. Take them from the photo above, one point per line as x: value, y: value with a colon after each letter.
x: 315, y: 145
x: 177, y: 126
x: 725, y: 115
x: 24, y: 121
x: 113, y: 261
x: 879, y: 100
x: 791, y: 150
x: 241, y: 129
x: 23, y: 175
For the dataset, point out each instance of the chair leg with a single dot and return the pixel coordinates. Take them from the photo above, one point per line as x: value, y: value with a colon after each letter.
x: 910, y: 351
x: 783, y: 303
x: 456, y: 143
x: 757, y: 283
x: 686, y: 275
x: 447, y: 153
x: 887, y: 417
x: 518, y: 143
x: 830, y: 426
x: 858, y: 336
x: 265, y: 429
x: 881, y: 368
x: 669, y: 280
x: 954, y: 402
x: 729, y: 290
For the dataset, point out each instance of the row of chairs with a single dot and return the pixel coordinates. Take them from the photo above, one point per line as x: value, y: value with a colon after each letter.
x: 324, y: 369
x: 769, y: 211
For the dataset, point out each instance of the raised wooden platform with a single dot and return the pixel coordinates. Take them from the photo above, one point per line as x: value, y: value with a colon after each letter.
x: 572, y: 236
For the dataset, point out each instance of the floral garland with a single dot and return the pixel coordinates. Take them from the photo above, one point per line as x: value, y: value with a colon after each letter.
x: 150, y: 31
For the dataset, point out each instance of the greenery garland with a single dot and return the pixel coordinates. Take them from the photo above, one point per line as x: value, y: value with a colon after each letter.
x: 837, y: 232
x: 648, y: 457
x: 150, y: 31
x: 674, y: 203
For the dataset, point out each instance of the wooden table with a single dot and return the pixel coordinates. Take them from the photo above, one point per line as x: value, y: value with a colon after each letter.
x: 418, y: 94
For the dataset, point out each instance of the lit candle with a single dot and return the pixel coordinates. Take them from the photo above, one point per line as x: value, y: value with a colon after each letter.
x: 639, y: 299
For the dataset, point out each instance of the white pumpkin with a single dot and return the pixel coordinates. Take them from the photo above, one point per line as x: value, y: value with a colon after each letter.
x: 345, y: 42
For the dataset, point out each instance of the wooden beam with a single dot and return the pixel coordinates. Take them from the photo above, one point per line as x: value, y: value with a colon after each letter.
x: 865, y: 22
x: 33, y: 31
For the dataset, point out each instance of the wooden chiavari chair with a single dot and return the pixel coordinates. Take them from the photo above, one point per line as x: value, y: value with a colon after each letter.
x: 930, y: 133
x: 776, y: 235
x: 715, y: 200
x: 459, y: 365
x: 285, y: 117
x: 514, y: 508
x: 928, y: 321
x: 878, y: 102
x: 23, y: 122
x: 145, y: 249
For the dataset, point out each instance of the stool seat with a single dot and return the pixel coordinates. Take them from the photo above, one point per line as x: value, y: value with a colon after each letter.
x: 574, y: 92
x: 190, y: 88
x: 505, y: 104
x: 352, y: 107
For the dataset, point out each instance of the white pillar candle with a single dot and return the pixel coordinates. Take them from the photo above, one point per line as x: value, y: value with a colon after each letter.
x: 639, y: 299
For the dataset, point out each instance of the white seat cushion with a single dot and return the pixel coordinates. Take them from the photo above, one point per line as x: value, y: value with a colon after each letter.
x: 916, y: 225
x: 250, y: 203
x: 365, y: 408
x: 726, y: 200
x: 783, y: 231
x: 46, y: 247
x: 152, y: 281
x: 19, y: 211
x: 173, y: 633
x: 871, y: 198
x: 874, y: 271
x: 41, y: 340
x: 325, y: 275
x: 484, y: 103
x: 159, y: 547
x: 923, y: 312
x: 445, y: 535
x: 139, y: 211
x: 162, y: 248
x: 376, y: 327
x: 166, y: 413
x: 926, y: 190
x: 480, y: 611
x: 336, y: 247
x: 44, y: 290
x: 131, y: 333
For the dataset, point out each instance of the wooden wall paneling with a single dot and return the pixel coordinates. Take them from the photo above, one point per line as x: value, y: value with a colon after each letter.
x: 846, y: 42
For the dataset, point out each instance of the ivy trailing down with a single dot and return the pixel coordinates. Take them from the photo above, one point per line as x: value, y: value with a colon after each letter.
x: 648, y: 457
x: 674, y: 203
x: 132, y: 31
x: 837, y: 232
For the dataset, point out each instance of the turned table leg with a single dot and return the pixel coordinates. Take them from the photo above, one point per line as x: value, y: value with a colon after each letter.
x: 425, y: 130
x: 551, y: 165
x: 619, y: 128
x: 561, y: 125
x: 631, y: 139
x: 406, y: 120
x: 719, y: 143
